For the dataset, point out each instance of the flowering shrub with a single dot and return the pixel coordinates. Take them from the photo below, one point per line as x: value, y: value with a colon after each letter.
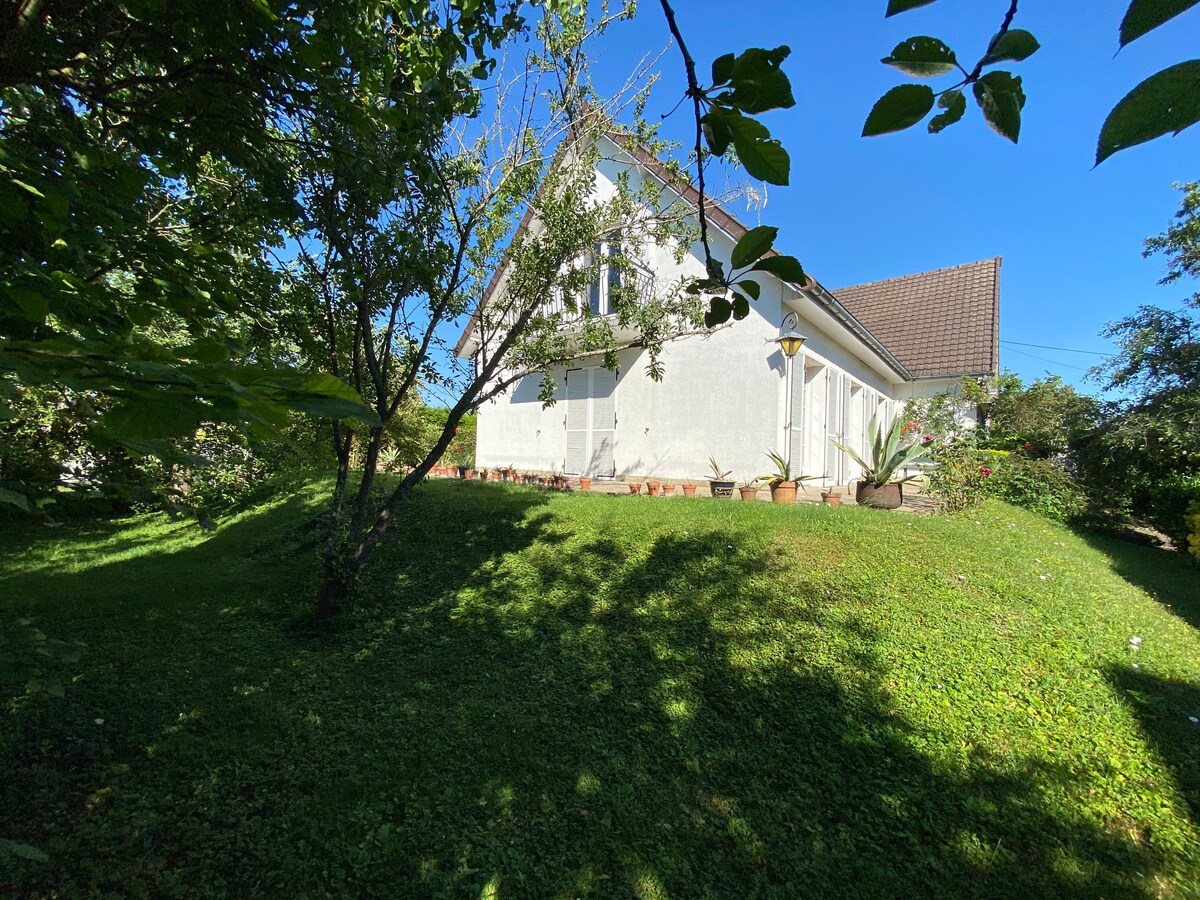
x: 965, y: 476
x: 958, y: 481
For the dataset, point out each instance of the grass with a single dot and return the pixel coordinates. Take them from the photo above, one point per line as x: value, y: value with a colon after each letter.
x: 551, y: 695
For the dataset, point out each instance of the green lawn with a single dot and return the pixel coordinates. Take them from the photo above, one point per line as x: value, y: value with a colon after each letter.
x: 562, y: 695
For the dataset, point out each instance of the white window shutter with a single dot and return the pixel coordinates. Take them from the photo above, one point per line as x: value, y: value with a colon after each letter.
x: 796, y: 416
x: 833, y: 418
x: 601, y: 461
x: 577, y: 421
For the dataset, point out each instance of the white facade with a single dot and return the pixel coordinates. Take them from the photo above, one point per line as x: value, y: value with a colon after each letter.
x: 724, y: 395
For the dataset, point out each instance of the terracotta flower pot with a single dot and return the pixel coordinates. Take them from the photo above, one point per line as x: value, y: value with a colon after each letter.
x: 668, y: 490
x: 831, y: 498
x: 652, y: 488
x: 749, y: 493
x: 689, y: 490
x: 560, y: 482
x: 585, y: 484
x: 635, y: 488
x: 784, y: 492
x: 879, y: 496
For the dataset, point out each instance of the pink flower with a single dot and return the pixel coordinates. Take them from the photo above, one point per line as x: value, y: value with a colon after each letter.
x: 985, y: 471
x: 1028, y: 445
x: 927, y: 439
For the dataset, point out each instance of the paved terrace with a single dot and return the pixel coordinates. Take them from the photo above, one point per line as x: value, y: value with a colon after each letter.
x: 916, y: 501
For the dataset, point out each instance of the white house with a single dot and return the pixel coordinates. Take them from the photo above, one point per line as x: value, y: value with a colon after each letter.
x: 727, y: 394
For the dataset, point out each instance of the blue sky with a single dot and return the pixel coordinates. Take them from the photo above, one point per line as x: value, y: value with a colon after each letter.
x: 864, y: 209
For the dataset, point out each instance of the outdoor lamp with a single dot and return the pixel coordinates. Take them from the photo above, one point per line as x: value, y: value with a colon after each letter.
x: 790, y: 342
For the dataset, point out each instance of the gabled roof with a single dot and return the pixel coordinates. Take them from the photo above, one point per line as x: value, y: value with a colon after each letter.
x: 940, y: 323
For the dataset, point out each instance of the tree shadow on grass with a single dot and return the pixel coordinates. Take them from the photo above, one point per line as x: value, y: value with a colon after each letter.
x: 1172, y: 578
x: 193, y: 658
x: 1165, y: 708
x: 647, y: 728
x: 523, y: 706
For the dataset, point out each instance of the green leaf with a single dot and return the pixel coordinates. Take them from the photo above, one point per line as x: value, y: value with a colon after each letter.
x: 741, y: 306
x: 25, y: 851
x: 1143, y: 16
x: 763, y: 157
x: 718, y: 133
x: 1001, y: 98
x: 902, y: 107
x: 922, y: 57
x: 753, y: 244
x: 750, y: 288
x: 955, y: 106
x: 1167, y: 102
x: 895, y: 7
x: 722, y: 69
x: 718, y: 312
x: 1016, y: 45
x: 758, y: 82
x: 12, y: 498
x: 28, y: 187
x: 786, y: 267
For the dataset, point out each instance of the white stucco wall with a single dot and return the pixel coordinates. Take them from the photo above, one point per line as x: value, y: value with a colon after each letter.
x: 723, y: 395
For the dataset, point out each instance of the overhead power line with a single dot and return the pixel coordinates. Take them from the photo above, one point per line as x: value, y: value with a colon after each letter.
x: 1063, y: 349
x: 1054, y: 362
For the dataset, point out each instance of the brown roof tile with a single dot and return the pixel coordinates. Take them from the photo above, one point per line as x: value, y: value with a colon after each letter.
x: 940, y: 323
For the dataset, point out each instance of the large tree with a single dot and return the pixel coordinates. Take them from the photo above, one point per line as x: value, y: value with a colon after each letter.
x: 402, y: 241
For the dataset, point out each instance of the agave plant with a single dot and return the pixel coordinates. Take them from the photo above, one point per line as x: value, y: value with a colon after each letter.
x: 718, y: 474
x: 783, y: 472
x: 888, y: 454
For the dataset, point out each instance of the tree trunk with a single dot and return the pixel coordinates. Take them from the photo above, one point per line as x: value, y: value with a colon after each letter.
x: 336, y: 586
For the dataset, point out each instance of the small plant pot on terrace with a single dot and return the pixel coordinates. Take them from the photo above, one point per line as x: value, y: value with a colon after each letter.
x: 668, y: 490
x: 748, y: 493
x: 722, y: 488
x: 585, y: 484
x: 635, y: 488
x: 560, y: 482
x: 879, y: 496
x: 831, y: 498
x: 652, y: 488
x: 689, y: 490
x: 784, y: 492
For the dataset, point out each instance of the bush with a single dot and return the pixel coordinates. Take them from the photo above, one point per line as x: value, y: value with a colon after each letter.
x: 1169, y: 506
x: 1042, y: 486
x: 960, y: 479
x: 1193, y: 522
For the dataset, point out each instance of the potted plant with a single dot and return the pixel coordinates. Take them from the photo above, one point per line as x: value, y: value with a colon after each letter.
x: 718, y: 485
x: 669, y: 489
x: 635, y: 487
x: 560, y: 481
x: 689, y: 488
x: 749, y: 489
x: 783, y: 486
x: 879, y: 487
x: 585, y: 483
x: 782, y: 482
x: 652, y: 488
x: 831, y: 498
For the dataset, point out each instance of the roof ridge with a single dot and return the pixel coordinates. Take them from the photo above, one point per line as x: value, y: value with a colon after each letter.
x: 994, y: 260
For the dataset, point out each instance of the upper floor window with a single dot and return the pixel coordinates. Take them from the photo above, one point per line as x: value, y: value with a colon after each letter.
x: 606, y: 276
